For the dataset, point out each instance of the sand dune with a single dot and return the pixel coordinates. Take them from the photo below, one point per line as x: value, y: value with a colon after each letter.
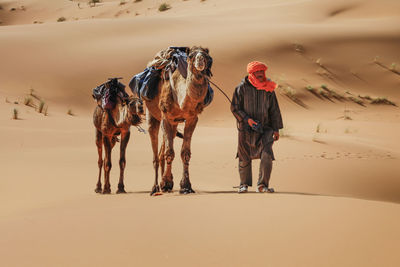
x: 346, y: 48
x: 337, y: 168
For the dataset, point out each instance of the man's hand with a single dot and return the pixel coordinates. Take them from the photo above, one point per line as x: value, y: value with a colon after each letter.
x: 251, y: 122
x: 276, y: 136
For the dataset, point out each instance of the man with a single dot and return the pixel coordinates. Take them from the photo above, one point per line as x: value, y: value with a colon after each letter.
x: 255, y: 106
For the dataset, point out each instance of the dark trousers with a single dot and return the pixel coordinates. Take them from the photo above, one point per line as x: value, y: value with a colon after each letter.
x: 245, y: 171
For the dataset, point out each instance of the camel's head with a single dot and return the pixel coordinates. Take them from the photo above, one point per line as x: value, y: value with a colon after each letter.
x: 199, y: 60
x: 136, y: 111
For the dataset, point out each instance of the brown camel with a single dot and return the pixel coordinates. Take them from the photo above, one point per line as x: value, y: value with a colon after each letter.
x: 109, y: 124
x: 178, y: 100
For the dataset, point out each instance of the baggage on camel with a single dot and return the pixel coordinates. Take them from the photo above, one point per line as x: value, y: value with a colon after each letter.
x: 144, y: 84
x: 106, y: 94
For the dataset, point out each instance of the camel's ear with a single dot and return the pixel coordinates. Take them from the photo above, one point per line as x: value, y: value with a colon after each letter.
x: 206, y: 49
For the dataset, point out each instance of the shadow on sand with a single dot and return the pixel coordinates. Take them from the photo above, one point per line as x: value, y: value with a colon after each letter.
x: 234, y: 192
x: 223, y: 192
x: 253, y: 192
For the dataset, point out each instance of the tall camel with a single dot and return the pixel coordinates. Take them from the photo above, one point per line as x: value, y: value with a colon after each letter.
x: 109, y: 124
x: 178, y: 100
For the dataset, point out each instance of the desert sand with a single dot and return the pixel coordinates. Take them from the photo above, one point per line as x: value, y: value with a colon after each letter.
x: 337, y: 163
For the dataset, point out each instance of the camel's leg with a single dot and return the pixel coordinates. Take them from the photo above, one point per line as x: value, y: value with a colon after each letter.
x: 99, y: 144
x: 154, y: 127
x: 169, y: 132
x: 190, y: 125
x: 122, y: 160
x: 161, y: 156
x: 107, y: 164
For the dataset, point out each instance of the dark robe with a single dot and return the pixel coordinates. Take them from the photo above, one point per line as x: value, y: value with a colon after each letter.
x: 260, y: 105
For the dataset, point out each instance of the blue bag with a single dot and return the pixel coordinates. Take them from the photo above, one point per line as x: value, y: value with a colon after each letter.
x: 144, y: 84
x: 209, y: 96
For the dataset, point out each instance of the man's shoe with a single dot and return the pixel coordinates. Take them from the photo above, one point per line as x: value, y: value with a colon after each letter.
x: 243, y: 189
x: 263, y: 189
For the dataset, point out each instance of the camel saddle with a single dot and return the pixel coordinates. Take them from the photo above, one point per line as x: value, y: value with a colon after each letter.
x: 145, y: 84
x: 107, y: 93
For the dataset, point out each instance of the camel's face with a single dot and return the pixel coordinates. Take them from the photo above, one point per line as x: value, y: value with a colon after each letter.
x: 136, y: 106
x: 199, y: 58
x: 136, y: 110
x: 199, y: 62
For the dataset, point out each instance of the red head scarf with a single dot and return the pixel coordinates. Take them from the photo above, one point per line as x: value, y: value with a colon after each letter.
x: 267, y: 85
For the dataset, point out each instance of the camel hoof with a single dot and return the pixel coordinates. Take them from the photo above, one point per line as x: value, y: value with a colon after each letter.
x: 155, y: 190
x: 106, y: 191
x: 121, y: 191
x: 166, y: 190
x: 97, y: 190
x: 167, y: 186
x: 186, y: 191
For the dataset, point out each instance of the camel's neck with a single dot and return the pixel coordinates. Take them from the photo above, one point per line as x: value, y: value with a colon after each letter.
x: 120, y: 115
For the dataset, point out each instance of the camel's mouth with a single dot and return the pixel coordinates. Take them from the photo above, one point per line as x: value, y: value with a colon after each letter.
x: 136, y: 119
x: 200, y: 62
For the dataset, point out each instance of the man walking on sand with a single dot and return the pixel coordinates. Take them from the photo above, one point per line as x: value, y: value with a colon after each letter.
x: 256, y: 109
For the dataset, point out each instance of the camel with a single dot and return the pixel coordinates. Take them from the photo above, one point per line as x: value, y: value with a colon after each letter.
x: 110, y: 123
x: 178, y: 100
